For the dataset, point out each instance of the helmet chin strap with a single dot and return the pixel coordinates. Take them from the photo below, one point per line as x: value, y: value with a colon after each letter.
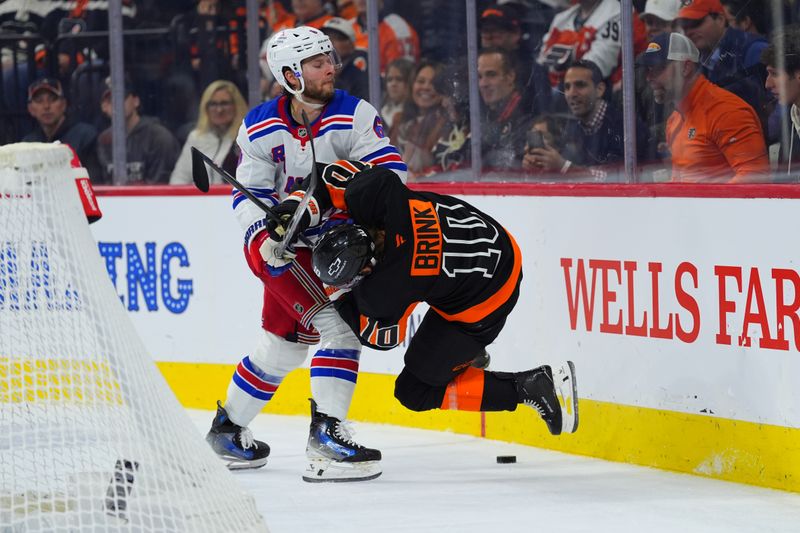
x: 308, y: 104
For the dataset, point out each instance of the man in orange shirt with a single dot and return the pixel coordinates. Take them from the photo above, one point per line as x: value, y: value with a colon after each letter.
x: 714, y: 136
x: 304, y: 13
x: 396, y: 37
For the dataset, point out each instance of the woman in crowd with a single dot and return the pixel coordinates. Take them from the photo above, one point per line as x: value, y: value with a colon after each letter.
x: 222, y: 109
x: 422, y: 122
x: 398, y: 90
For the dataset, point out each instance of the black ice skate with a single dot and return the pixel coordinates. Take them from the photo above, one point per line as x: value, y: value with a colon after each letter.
x: 332, y: 454
x: 235, y: 444
x: 554, y: 395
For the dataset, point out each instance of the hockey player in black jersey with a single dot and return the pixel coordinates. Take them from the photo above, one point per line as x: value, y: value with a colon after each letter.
x: 408, y: 247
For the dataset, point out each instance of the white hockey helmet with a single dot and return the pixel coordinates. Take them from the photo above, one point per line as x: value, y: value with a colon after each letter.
x: 288, y: 48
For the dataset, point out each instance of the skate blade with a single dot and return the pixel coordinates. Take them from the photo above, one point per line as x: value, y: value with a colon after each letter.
x: 328, y: 471
x: 235, y: 463
x: 567, y: 392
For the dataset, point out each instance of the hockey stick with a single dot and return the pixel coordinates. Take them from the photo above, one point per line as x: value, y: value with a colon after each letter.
x: 291, y: 229
x: 201, y: 181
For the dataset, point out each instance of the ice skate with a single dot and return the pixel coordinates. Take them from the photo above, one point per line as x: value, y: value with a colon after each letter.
x: 235, y: 444
x: 332, y: 454
x: 554, y: 395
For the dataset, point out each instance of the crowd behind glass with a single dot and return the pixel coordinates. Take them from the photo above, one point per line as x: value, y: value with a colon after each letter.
x: 716, y: 83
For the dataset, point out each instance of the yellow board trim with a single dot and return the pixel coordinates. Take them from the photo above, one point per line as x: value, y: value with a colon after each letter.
x: 732, y: 450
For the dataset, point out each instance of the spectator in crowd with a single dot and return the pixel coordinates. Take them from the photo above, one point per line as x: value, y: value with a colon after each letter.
x: 535, y: 18
x: 747, y: 15
x: 588, y: 30
x: 714, y: 136
x: 304, y: 13
x: 729, y: 57
x: 501, y: 28
x: 398, y: 89
x: 422, y: 122
x: 151, y: 149
x: 782, y: 59
x: 504, y: 121
x: 593, y: 138
x: 48, y: 106
x: 346, y: 9
x: 549, y: 127
x: 452, y: 150
x: 658, y: 16
x: 352, y: 77
x: 396, y: 37
x: 222, y: 109
x: 209, y: 53
x: 74, y: 17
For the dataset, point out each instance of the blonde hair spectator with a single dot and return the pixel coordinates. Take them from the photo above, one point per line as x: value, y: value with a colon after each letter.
x: 222, y: 109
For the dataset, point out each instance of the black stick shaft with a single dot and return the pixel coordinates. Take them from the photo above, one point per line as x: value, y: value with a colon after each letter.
x: 204, y: 159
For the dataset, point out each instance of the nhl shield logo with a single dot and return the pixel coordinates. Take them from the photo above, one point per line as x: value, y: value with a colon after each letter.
x: 686, y: 3
x: 302, y: 132
x: 298, y: 308
x: 692, y: 132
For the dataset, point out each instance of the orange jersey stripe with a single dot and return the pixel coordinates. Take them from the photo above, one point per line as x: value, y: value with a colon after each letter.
x: 465, y: 393
x: 480, y: 311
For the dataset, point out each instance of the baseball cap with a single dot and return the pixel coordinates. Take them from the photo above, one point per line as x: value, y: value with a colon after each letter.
x: 668, y: 47
x: 45, y: 84
x: 663, y: 9
x: 697, y: 9
x: 340, y: 25
x: 502, y: 16
x: 129, y: 89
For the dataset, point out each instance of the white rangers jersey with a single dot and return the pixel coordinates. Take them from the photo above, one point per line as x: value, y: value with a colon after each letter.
x: 276, y: 152
x: 596, y: 40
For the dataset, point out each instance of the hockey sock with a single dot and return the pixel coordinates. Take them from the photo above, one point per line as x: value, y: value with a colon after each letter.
x: 479, y: 390
x: 465, y: 392
x: 333, y: 380
x: 249, y: 391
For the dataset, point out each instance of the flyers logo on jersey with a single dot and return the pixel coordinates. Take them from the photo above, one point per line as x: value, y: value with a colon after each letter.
x: 427, y: 254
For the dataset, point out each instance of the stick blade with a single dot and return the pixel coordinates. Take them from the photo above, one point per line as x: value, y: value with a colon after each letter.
x: 199, y: 170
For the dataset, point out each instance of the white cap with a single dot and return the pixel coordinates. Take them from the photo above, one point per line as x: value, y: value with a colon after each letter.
x: 681, y: 48
x: 342, y: 26
x: 663, y: 9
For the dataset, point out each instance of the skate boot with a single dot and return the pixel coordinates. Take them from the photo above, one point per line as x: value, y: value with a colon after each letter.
x: 235, y: 444
x: 554, y: 395
x: 332, y: 454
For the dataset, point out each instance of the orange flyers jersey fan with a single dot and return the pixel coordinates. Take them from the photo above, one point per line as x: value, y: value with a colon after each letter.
x: 396, y: 37
x: 597, y: 40
x: 438, y: 249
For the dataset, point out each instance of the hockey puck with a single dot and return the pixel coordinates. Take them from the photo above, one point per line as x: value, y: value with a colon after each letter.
x: 505, y: 459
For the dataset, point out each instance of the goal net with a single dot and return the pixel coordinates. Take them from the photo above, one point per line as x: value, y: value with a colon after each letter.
x: 91, y: 437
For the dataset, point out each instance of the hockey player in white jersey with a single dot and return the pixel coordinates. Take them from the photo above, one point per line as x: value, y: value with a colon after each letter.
x: 276, y: 153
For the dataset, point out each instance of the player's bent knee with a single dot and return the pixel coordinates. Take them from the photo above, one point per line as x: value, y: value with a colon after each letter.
x: 414, y: 394
x: 334, y: 332
x: 277, y: 356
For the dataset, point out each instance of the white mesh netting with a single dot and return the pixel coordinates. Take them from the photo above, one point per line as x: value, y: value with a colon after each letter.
x: 91, y: 437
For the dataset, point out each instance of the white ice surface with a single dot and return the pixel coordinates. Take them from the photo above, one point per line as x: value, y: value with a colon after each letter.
x: 435, y: 482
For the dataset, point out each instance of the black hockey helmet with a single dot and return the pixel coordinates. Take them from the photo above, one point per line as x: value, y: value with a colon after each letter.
x: 341, y: 254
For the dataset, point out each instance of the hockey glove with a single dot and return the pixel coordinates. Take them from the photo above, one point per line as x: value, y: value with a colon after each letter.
x: 277, y: 264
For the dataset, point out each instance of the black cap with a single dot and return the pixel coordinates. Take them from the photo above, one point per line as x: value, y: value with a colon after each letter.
x: 497, y: 16
x: 45, y: 84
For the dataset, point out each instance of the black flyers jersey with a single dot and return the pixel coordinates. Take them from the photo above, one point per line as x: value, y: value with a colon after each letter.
x: 438, y: 249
